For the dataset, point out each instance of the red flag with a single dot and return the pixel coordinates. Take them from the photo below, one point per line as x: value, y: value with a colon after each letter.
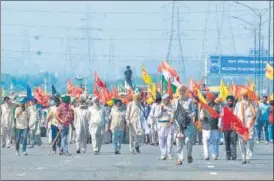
x: 128, y: 98
x: 73, y: 90
x: 99, y: 82
x: 114, y: 93
x: 211, y: 111
x: 169, y: 89
x: 42, y: 97
x: 235, y: 123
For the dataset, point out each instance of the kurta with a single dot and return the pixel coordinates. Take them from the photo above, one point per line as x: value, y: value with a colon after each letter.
x: 135, y: 117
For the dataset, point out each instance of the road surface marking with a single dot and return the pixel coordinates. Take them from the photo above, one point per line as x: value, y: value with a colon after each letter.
x: 20, y: 175
x: 40, y: 168
x: 213, y: 173
x: 210, y: 166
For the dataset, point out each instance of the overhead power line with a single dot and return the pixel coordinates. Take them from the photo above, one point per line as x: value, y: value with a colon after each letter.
x: 112, y: 13
x: 111, y: 29
x: 120, y: 39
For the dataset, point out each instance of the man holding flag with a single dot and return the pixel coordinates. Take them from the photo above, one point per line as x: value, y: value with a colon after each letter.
x: 246, y: 110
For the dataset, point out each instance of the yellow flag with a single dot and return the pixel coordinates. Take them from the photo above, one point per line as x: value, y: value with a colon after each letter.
x: 146, y: 78
x: 3, y: 92
x: 224, y: 90
x: 252, y: 85
x: 152, y: 90
x: 271, y: 97
x: 269, y: 71
x: 200, y: 96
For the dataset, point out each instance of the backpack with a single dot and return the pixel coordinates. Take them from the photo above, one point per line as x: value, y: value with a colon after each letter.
x: 182, y: 117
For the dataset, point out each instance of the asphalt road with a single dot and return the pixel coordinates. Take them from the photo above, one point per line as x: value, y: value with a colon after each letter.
x: 107, y: 166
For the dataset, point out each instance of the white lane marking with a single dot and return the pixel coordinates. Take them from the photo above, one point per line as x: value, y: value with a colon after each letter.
x: 20, y: 174
x: 40, y: 168
x: 210, y: 166
x: 213, y: 173
x: 67, y: 161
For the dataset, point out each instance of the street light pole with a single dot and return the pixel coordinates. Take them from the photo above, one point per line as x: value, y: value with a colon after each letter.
x: 269, y: 32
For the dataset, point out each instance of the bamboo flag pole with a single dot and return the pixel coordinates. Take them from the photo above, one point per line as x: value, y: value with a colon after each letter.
x: 50, y: 148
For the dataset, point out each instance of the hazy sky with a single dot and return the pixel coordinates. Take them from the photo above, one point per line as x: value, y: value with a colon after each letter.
x: 131, y: 32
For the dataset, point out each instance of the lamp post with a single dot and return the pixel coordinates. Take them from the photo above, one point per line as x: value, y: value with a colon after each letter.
x: 253, y: 29
x: 259, y: 16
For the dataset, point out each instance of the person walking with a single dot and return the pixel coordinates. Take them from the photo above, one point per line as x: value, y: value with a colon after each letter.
x: 22, y: 116
x: 64, y: 116
x: 246, y: 111
x: 164, y: 115
x: 81, y: 117
x: 230, y: 135
x: 117, y: 125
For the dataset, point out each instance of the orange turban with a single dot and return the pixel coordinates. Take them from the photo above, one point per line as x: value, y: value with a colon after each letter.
x: 210, y: 96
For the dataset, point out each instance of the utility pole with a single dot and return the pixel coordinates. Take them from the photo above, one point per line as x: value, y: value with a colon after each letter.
x: 269, y: 44
x: 170, y: 45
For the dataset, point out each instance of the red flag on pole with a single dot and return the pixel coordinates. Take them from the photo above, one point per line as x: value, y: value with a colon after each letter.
x: 99, y: 82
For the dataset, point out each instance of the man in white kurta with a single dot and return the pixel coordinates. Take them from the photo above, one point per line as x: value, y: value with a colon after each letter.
x: 96, y: 124
x: 33, y: 122
x: 184, y: 136
x: 81, y: 118
x: 164, y: 115
x: 7, y: 121
x: 246, y: 111
x: 134, y: 119
x: 152, y: 120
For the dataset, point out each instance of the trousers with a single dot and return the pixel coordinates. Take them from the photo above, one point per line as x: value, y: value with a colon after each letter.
x: 97, y: 137
x: 230, y: 143
x: 165, y: 140
x: 6, y: 136
x: 211, y: 137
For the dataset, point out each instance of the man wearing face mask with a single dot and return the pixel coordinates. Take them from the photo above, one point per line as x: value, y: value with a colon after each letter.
x: 81, y: 117
x: 210, y: 129
x: 134, y: 118
x: 7, y: 121
x: 230, y: 135
x: 185, y: 118
x: 96, y: 124
x: 246, y: 110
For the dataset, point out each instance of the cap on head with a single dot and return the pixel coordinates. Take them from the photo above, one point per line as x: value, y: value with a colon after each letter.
x: 116, y: 101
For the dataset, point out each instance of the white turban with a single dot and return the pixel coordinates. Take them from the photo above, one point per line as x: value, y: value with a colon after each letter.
x: 165, y: 96
x: 94, y: 99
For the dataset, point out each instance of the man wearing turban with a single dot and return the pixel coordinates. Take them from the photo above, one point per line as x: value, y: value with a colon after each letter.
x: 81, y: 118
x: 164, y: 115
x: 106, y: 132
x: 22, y: 126
x: 246, y: 110
x: 135, y: 115
x: 96, y: 124
x: 210, y: 128
x: 65, y: 116
x: 230, y: 135
x: 184, y: 116
x: 152, y: 120
x: 7, y: 121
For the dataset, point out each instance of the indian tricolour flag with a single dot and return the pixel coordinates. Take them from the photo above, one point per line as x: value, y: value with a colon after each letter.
x: 169, y: 73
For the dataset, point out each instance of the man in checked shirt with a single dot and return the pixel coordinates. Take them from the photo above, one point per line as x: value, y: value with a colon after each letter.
x: 65, y: 117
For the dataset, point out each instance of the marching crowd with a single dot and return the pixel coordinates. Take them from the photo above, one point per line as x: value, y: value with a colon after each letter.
x: 164, y: 122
